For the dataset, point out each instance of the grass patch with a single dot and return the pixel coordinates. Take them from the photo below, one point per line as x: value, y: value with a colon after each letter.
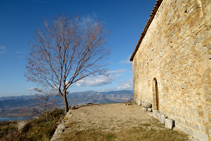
x: 88, y: 135
x: 71, y: 124
x: 8, y: 130
x: 141, y: 129
x: 135, y: 134
x: 43, y: 129
x: 150, y: 134
x: 110, y: 137
x: 36, y: 129
x: 146, y: 124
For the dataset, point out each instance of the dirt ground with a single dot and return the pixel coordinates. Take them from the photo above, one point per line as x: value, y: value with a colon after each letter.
x: 108, y: 118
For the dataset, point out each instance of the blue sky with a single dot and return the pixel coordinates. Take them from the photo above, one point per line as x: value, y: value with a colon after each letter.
x: 19, y: 20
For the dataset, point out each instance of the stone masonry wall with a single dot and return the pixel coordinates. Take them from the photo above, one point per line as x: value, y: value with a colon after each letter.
x: 176, y: 50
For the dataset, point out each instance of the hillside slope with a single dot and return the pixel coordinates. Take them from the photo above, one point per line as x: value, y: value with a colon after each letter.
x: 23, y: 105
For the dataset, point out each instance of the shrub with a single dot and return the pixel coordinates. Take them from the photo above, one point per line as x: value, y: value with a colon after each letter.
x: 41, y: 128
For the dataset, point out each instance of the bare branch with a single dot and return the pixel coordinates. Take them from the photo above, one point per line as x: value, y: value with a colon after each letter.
x: 66, y: 51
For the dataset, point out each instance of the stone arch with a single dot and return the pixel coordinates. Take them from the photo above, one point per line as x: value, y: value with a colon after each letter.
x: 155, y: 94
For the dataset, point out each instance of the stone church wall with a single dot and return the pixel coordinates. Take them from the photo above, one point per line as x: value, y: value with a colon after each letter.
x: 176, y: 52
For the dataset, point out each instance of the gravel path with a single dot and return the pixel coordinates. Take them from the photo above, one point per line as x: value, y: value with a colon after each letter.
x: 107, y: 117
x: 111, y: 118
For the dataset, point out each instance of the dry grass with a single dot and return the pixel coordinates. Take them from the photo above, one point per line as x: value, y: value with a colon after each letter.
x: 116, y: 122
x: 8, y: 130
x: 151, y: 130
x: 88, y: 135
x: 35, y: 129
x: 120, y: 129
x: 134, y: 134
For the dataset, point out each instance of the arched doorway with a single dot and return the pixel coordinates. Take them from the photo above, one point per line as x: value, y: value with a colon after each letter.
x: 155, y: 94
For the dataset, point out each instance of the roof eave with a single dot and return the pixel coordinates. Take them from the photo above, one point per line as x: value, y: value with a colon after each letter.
x: 152, y: 15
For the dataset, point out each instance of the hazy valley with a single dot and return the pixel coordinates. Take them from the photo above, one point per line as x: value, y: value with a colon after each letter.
x: 15, y: 106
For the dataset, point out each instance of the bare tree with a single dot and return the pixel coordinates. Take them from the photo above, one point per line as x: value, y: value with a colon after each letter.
x: 43, y: 103
x: 65, y: 51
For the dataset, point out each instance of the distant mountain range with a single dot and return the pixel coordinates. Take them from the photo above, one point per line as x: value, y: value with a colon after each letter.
x: 17, y: 105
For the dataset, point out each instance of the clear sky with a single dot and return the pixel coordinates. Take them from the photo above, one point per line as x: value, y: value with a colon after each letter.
x: 19, y: 19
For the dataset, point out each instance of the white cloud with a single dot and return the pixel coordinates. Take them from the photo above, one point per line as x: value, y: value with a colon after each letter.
x: 56, y: 87
x: 95, y: 81
x: 117, y: 71
x: 126, y: 85
x: 2, y: 49
x: 118, y: 75
x: 107, y: 89
x: 34, y: 89
x: 31, y: 89
x: 101, y: 80
x: 18, y: 52
x: 127, y: 61
x: 89, y: 19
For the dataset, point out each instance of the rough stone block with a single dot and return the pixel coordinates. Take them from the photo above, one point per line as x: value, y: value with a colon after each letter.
x: 192, y: 125
x: 21, y: 124
x: 196, y: 112
x: 139, y: 102
x: 183, y: 122
x: 162, y: 118
x: 144, y: 109
x: 192, y: 119
x: 69, y: 114
x: 135, y: 100
x: 210, y: 131
x: 169, y: 123
x: 188, y: 130
x: 60, y: 128
x: 155, y: 114
x: 179, y: 121
x: 187, y: 123
x: 199, y: 120
x: 201, y: 136
x: 178, y: 126
x: 147, y: 105
x: 197, y: 127
x: 149, y: 109
x: 203, y: 128
x: 159, y: 116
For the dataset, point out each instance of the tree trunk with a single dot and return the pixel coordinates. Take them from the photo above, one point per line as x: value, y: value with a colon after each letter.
x: 66, y: 104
